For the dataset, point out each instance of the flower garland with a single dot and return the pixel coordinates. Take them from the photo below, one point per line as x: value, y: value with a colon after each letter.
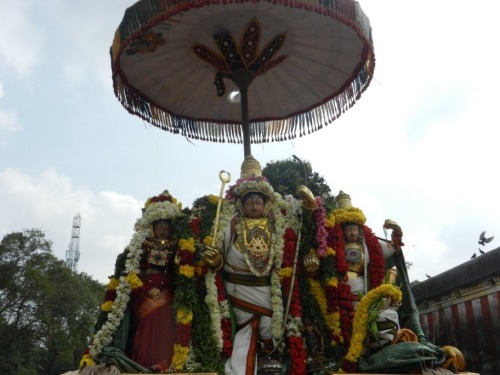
x: 116, y: 309
x: 185, y: 296
x: 376, y: 267
x: 216, y: 297
x: 323, y: 295
x: 294, y: 323
x: 342, y: 296
x: 218, y: 305
x: 349, y: 215
x: 320, y: 223
x: 247, y: 185
x: 361, y: 319
x: 337, y: 291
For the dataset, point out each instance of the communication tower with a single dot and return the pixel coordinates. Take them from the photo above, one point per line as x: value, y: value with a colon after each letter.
x: 73, y: 252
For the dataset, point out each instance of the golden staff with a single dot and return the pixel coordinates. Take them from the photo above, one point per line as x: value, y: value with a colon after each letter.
x: 225, y: 177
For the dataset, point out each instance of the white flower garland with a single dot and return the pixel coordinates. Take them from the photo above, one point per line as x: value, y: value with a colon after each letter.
x: 248, y: 186
x: 157, y: 211
x: 214, y: 307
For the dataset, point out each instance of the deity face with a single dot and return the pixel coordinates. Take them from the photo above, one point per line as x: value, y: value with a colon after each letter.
x: 162, y: 229
x: 253, y: 206
x: 351, y: 232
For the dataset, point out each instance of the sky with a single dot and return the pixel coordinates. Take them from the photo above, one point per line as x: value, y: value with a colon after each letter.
x: 418, y: 147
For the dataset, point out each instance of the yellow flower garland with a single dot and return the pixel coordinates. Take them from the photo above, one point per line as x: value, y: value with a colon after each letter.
x: 208, y: 240
x: 349, y: 215
x: 187, y: 271
x: 113, y: 283
x: 285, y: 272
x: 332, y: 319
x: 187, y: 244
x: 330, y: 221
x: 133, y: 280
x: 106, y: 306
x: 213, y: 199
x: 184, y: 316
x: 330, y: 252
x: 179, y: 357
x: 86, y: 361
x: 332, y: 281
x: 361, y: 317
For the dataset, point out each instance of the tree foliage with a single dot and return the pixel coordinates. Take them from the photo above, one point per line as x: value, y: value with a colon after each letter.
x: 46, y: 310
x: 286, y: 175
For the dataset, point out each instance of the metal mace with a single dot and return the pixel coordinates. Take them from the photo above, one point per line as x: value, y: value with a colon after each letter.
x: 225, y: 177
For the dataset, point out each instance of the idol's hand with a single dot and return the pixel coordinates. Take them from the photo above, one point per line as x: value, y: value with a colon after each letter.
x: 397, y: 233
x: 307, y: 197
x: 212, y: 257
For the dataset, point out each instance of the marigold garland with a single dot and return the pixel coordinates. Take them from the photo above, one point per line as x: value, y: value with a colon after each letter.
x: 349, y: 215
x: 113, y: 283
x: 179, y: 357
x: 184, y: 297
x: 86, y: 361
x: 361, y: 317
x: 332, y: 318
x: 106, y: 306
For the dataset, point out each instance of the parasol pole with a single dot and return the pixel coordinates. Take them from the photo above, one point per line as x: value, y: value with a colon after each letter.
x: 243, y: 78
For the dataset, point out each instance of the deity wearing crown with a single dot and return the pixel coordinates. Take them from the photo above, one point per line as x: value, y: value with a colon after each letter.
x: 253, y: 255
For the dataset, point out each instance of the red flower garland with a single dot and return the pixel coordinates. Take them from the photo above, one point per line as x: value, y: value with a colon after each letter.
x: 376, y: 268
x: 342, y: 297
x: 110, y: 295
x: 320, y: 224
x: 295, y: 343
x: 196, y: 226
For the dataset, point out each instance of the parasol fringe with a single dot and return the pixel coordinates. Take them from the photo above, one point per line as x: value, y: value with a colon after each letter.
x: 138, y: 18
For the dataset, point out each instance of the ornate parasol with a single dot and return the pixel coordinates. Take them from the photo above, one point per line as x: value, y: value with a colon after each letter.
x: 242, y: 71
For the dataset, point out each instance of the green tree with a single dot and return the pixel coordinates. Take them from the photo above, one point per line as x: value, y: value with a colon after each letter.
x: 286, y: 175
x: 46, y: 310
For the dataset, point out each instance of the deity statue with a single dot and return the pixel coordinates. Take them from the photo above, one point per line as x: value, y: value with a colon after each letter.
x: 139, y: 328
x: 254, y: 255
x: 369, y: 308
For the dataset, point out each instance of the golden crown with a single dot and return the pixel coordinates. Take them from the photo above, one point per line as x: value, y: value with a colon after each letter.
x: 251, y: 180
x: 342, y: 200
x: 250, y: 167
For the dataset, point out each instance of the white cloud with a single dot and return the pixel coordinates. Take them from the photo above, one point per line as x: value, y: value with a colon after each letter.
x: 21, y: 40
x: 49, y: 201
x: 9, y: 122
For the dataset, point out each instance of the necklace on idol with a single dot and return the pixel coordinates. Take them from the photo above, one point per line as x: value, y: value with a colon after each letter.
x: 253, y: 241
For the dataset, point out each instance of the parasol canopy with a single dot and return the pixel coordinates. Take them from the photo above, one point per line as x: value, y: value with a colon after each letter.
x: 246, y: 71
